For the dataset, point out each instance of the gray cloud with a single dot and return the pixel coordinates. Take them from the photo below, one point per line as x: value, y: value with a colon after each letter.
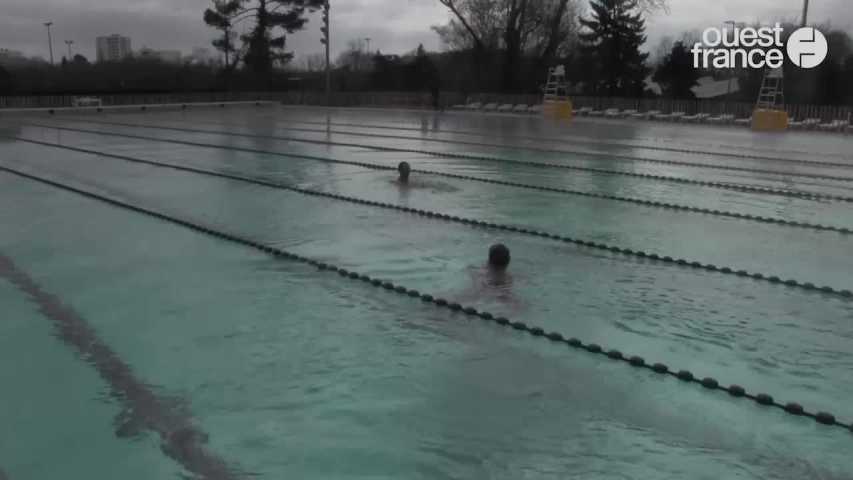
x: 393, y: 25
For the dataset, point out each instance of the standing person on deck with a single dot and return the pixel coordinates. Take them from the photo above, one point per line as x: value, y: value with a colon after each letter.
x: 435, y: 91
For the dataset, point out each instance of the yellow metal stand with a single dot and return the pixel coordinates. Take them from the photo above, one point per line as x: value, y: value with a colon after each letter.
x: 770, y: 114
x: 766, y: 120
x: 556, y: 103
x: 558, y: 109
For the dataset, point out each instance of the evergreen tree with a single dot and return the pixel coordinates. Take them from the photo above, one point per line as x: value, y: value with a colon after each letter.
x: 676, y: 74
x: 6, y: 81
x: 273, y: 20
x: 611, y: 44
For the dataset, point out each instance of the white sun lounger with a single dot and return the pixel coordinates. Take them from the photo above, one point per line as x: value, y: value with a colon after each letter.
x: 612, y: 113
x: 584, y: 111
x: 506, y: 107
x: 743, y: 121
x: 474, y: 106
x: 833, y: 126
x: 698, y: 118
x: 521, y: 108
x: 811, y: 123
x: 535, y: 109
x: 86, y: 102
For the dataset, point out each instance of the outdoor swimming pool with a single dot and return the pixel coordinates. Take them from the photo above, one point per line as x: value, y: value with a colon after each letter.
x: 136, y: 347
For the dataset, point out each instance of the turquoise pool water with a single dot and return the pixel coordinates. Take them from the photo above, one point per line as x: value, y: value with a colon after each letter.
x: 292, y: 372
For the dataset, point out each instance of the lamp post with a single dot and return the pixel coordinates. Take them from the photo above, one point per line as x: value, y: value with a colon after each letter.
x: 325, y: 40
x: 49, y: 40
x: 805, y: 12
x: 69, y: 43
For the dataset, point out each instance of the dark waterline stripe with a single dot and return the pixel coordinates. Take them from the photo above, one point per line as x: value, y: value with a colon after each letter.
x: 601, y: 196
x: 180, y: 439
x: 484, y: 158
x: 674, y: 261
x: 685, y: 376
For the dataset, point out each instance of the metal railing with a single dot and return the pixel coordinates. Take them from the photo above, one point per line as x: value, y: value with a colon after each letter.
x: 825, y: 113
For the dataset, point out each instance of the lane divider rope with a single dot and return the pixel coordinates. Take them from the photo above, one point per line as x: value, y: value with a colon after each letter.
x: 575, y: 139
x: 636, y: 201
x: 709, y: 383
x: 686, y: 181
x: 808, y: 286
x: 605, y: 155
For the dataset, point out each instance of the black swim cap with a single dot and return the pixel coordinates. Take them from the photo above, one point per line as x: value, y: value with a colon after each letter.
x: 499, y: 255
x: 404, y: 167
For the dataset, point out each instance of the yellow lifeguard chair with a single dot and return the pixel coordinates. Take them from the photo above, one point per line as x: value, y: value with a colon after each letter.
x: 770, y: 114
x: 556, y: 102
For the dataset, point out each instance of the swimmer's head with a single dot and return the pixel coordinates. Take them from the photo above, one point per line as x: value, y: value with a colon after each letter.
x: 404, y: 168
x: 499, y: 256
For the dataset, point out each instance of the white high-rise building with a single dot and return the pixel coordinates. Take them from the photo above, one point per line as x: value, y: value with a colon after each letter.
x: 113, y: 48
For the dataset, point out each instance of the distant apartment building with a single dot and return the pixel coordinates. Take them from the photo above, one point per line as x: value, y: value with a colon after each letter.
x: 113, y: 48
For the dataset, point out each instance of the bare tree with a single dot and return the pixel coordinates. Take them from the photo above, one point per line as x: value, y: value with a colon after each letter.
x: 272, y: 21
x: 355, y: 57
x: 314, y: 62
x: 541, y: 29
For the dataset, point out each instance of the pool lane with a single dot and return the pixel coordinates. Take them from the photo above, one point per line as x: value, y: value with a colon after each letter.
x: 819, y: 257
x: 432, y: 127
x: 819, y: 186
x: 290, y: 368
x: 770, y: 338
x: 738, y: 140
x: 795, y: 209
x: 568, y: 147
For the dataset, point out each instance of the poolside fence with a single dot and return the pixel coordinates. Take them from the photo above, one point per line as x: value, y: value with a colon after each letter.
x: 424, y: 100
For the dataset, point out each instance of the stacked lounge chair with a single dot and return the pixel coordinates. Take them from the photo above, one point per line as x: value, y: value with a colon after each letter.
x: 833, y: 126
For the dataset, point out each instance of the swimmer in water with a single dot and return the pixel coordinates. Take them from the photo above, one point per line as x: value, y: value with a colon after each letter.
x: 499, y: 257
x: 496, y: 275
x: 493, y: 280
x: 404, y: 169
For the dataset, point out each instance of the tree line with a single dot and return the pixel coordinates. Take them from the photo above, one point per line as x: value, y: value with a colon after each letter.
x: 489, y: 46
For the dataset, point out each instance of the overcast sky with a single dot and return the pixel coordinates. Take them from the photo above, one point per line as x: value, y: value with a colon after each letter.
x: 394, y: 26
